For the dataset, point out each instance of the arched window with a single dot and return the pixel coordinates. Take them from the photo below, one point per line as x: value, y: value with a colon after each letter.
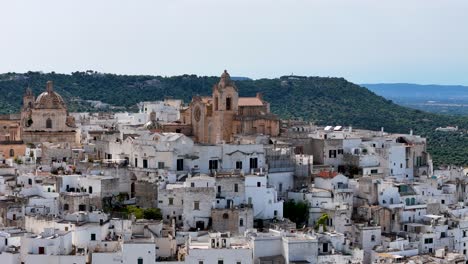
x: 228, y: 103
x: 49, y: 123
x: 12, y: 152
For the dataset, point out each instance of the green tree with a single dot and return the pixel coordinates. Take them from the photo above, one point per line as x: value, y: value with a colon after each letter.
x: 296, y: 212
x: 152, y: 213
x: 322, y: 221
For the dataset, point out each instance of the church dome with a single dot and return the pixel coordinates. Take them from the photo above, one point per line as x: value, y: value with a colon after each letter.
x: 225, y: 81
x: 50, y: 99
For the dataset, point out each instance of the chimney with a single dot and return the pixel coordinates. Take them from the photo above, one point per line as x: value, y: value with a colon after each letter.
x: 259, y: 96
x: 411, y: 132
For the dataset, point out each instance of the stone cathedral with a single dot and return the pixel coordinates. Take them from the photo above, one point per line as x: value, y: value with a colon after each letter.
x: 218, y: 118
x: 46, y: 119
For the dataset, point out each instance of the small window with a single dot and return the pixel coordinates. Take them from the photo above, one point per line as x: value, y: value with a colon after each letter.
x: 93, y: 237
x: 136, y: 162
x: 253, y: 163
x: 180, y: 164
x: 145, y: 163
x: 65, y: 207
x: 160, y: 165
x: 219, y: 188
x: 236, y: 187
x: 241, y: 222
x: 225, y: 216
x: 171, y: 201
x: 49, y: 123
x: 239, y: 165
x: 140, y: 260
x: 90, y: 189
x: 200, y: 262
x: 213, y: 164
x: 12, y: 153
x: 220, y: 261
x: 340, y: 151
x: 192, y: 184
x: 259, y: 184
x: 372, y: 238
x: 196, y: 205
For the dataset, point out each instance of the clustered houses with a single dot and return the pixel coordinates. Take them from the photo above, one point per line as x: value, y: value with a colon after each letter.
x: 220, y: 180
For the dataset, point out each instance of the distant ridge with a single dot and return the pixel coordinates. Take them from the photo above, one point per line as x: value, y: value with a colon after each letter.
x: 420, y: 91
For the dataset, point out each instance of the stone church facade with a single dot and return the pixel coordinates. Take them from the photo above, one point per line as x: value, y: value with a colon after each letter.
x: 46, y: 119
x: 218, y: 118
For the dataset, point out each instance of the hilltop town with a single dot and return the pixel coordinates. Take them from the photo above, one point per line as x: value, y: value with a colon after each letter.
x: 220, y: 179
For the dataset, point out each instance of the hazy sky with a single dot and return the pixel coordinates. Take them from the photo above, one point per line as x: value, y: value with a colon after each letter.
x: 420, y: 41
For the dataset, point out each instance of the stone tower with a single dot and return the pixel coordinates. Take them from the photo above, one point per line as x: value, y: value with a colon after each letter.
x: 225, y: 107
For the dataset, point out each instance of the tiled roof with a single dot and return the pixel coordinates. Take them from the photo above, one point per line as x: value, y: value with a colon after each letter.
x: 250, y: 101
x: 327, y: 174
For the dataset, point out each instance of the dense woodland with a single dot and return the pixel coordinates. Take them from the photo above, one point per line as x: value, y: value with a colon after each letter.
x: 325, y: 101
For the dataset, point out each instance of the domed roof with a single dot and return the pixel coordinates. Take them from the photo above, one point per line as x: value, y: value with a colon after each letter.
x: 50, y: 99
x: 225, y: 81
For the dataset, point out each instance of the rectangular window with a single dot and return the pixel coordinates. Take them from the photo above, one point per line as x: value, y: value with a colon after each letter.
x: 180, y: 164
x: 220, y: 261
x: 340, y: 151
x: 145, y: 163
x: 136, y: 162
x: 196, y: 205
x: 171, y: 201
x: 253, y: 163
x: 200, y: 262
x: 41, y: 250
x: 428, y: 241
x: 93, y: 237
x: 192, y: 184
x: 160, y: 165
x: 236, y: 187
x: 239, y: 165
x: 259, y: 184
x: 213, y: 165
x: 332, y: 153
x: 374, y: 171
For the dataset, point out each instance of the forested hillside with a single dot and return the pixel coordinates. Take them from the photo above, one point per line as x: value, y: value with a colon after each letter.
x: 326, y: 101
